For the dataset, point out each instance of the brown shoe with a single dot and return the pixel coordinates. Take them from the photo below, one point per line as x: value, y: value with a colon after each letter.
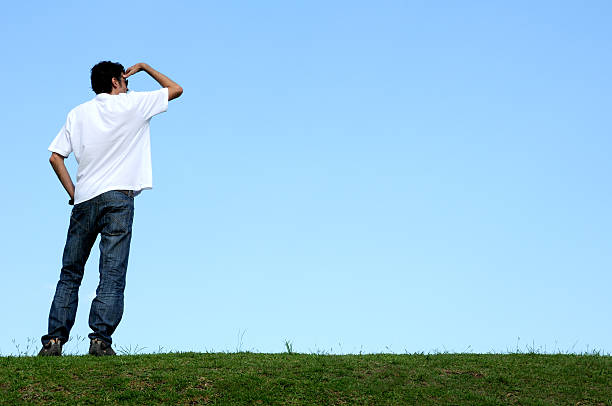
x: 53, y: 348
x: 98, y: 347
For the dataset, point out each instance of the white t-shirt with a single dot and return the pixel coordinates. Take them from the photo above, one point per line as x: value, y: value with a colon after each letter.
x: 110, y: 138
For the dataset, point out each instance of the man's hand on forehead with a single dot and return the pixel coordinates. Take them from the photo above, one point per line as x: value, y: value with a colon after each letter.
x: 133, y: 69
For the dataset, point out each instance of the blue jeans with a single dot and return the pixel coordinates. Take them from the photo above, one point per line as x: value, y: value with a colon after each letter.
x: 110, y: 214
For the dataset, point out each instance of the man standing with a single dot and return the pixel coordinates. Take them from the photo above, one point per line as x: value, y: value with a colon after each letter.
x: 110, y: 138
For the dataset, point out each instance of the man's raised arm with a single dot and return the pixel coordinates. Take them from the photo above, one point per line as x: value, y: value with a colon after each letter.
x: 174, y: 90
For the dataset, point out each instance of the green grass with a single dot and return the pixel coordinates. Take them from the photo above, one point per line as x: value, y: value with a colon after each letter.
x: 289, y: 378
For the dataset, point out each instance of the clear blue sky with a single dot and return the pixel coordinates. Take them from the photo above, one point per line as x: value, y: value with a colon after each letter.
x: 349, y: 176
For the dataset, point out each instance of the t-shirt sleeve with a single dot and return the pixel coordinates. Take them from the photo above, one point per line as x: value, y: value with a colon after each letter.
x: 61, y: 144
x: 151, y: 103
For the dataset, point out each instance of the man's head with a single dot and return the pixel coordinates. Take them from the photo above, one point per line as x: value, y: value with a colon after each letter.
x: 107, y: 77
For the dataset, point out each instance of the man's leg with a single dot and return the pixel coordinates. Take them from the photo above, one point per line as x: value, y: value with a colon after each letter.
x: 81, y: 237
x: 116, y: 234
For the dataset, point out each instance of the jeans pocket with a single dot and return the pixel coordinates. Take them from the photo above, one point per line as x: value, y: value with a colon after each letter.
x: 118, y: 220
x: 80, y: 215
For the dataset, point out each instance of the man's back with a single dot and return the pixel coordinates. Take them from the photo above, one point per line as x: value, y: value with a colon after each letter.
x: 110, y: 138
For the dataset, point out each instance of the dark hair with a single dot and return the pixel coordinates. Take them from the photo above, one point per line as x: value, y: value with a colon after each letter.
x: 102, y: 75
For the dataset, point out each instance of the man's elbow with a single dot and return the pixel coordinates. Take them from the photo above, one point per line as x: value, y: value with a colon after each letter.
x: 174, y: 92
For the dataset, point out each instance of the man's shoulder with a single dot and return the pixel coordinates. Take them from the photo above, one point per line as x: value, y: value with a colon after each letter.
x: 82, y: 107
x: 144, y: 93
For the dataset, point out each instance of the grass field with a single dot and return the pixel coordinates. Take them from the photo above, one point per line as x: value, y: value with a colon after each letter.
x: 290, y: 378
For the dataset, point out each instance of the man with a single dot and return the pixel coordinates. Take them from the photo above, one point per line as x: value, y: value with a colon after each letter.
x: 110, y: 138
